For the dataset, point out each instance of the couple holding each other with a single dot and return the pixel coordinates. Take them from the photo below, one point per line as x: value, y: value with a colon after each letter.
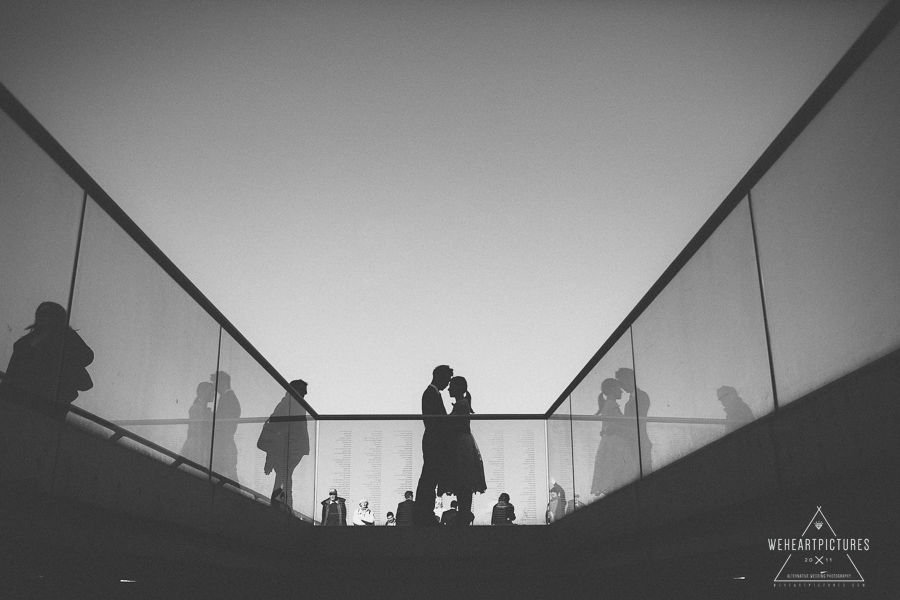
x: 451, y: 461
x: 624, y: 438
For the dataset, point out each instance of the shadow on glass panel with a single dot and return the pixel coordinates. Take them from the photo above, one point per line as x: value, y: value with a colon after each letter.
x: 637, y: 404
x: 227, y: 411
x: 736, y: 410
x: 199, y: 432
x: 616, y: 461
x: 48, y: 366
x: 285, y: 440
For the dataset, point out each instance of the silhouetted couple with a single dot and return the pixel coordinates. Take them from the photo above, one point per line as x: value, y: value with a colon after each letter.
x: 200, y: 434
x: 227, y: 411
x: 451, y: 461
x: 48, y: 366
x: 623, y: 439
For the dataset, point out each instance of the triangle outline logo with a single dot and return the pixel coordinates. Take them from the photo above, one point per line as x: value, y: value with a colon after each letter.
x: 808, y: 566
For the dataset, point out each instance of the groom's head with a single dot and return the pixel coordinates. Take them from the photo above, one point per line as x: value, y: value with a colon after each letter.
x: 626, y: 379
x: 441, y: 376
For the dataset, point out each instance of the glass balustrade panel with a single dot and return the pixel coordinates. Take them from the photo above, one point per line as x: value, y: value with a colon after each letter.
x: 379, y: 461
x: 701, y: 363
x: 604, y: 426
x: 40, y: 211
x: 827, y: 216
x: 560, y: 466
x: 154, y: 348
x: 264, y: 440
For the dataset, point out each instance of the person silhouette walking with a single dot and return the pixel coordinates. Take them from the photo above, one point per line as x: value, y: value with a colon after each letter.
x: 285, y: 440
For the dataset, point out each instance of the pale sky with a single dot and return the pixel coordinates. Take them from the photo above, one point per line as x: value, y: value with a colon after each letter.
x: 370, y: 189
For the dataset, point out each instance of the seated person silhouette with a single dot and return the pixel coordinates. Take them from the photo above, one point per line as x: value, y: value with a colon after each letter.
x: 504, y: 513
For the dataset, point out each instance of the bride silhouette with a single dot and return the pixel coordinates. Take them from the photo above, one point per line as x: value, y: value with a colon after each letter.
x: 465, y: 469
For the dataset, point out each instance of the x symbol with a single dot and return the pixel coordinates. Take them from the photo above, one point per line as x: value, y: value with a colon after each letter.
x: 819, y: 560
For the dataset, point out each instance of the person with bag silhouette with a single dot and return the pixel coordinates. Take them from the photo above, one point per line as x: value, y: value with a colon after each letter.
x: 48, y: 366
x: 285, y: 440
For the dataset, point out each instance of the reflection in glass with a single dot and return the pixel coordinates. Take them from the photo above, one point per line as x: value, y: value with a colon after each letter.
x: 40, y: 214
x: 605, y: 426
x: 703, y: 332
x: 614, y: 463
x: 736, y: 410
x: 226, y: 412
x: 153, y: 344
x: 200, y: 418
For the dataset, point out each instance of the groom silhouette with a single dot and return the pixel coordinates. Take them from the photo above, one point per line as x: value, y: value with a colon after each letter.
x: 434, y: 445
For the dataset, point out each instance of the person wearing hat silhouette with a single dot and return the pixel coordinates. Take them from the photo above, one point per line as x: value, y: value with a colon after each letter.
x: 736, y: 410
x: 48, y: 366
x: 334, y: 509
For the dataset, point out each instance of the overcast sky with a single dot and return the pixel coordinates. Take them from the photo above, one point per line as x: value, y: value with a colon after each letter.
x: 369, y: 189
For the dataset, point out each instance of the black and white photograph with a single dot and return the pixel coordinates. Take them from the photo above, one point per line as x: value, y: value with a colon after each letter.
x: 587, y: 298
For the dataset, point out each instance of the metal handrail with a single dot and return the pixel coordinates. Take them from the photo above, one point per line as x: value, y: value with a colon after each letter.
x: 417, y: 417
x: 877, y: 30
x: 119, y: 432
x: 46, y: 142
